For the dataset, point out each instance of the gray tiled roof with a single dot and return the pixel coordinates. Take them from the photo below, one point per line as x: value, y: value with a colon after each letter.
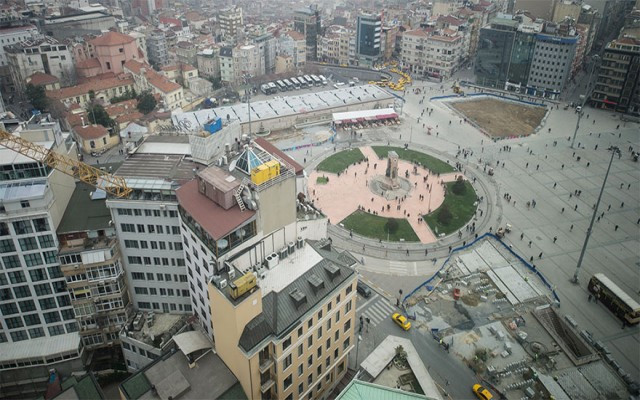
x: 279, y: 312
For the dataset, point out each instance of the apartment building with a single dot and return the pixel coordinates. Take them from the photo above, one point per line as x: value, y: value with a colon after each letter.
x: 157, y: 49
x: 551, y: 64
x: 231, y: 21
x: 44, y: 54
x: 268, y: 46
x: 293, y: 44
x: 92, y: 267
x: 38, y: 329
x: 289, y: 335
x: 368, y: 33
x: 148, y: 227
x: 334, y: 45
x: 435, y: 53
x: 103, y: 89
x: 248, y: 59
x: 227, y: 68
x: 208, y: 62
x: 308, y: 22
x: 146, y: 78
x: 618, y: 83
x: 10, y: 36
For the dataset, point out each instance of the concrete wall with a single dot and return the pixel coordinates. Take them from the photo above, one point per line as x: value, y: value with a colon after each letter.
x: 277, y: 206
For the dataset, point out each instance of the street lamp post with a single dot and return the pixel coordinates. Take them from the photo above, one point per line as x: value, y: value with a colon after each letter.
x: 614, y: 150
x: 586, y: 96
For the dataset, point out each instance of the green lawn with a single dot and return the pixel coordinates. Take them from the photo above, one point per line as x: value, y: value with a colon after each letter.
x: 322, y: 180
x: 431, y: 163
x: 340, y: 161
x: 461, y: 208
x: 372, y: 226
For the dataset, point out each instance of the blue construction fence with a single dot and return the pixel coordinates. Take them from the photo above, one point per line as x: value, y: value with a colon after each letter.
x: 316, y: 144
x: 486, y: 235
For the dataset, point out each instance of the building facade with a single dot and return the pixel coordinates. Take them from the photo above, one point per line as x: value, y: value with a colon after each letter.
x: 432, y: 53
x: 46, y: 55
x: 618, y: 84
x: 551, y: 64
x: 368, y: 33
x: 92, y: 266
x: 231, y: 21
x: 38, y: 329
x: 308, y: 22
x: 157, y: 49
x: 10, y: 36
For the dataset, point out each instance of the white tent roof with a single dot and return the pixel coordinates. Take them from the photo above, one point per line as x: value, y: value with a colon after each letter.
x: 362, y: 114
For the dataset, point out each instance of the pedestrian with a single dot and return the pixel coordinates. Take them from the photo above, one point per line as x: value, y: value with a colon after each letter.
x: 622, y: 205
x: 609, y: 208
x: 571, y: 228
x: 531, y: 259
x: 407, y: 251
x: 575, y: 208
x: 537, y: 167
x: 521, y: 236
x: 426, y: 251
x: 561, y: 212
x: 449, y: 249
x: 616, y: 229
x: 540, y: 255
x: 562, y: 167
x: 530, y: 243
x: 590, y: 298
x: 555, y: 238
x: 588, y: 164
x: 555, y: 184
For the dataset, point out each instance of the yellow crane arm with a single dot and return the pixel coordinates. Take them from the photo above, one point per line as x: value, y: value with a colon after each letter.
x: 98, y: 178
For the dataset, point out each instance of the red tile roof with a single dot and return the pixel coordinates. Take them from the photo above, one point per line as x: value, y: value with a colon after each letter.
x: 274, y: 150
x: 40, y: 78
x: 214, y: 219
x: 295, y: 35
x: 90, y: 132
x: 129, y: 117
x: 90, y: 63
x: 112, y: 39
x: 94, y: 84
x: 154, y: 78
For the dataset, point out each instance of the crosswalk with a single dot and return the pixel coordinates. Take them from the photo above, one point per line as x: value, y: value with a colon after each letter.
x: 376, y: 309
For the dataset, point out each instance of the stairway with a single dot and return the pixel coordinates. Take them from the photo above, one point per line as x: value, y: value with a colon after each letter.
x: 238, y: 196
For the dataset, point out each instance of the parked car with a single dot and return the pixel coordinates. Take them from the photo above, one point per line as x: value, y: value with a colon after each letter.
x: 364, y: 290
x: 481, y: 392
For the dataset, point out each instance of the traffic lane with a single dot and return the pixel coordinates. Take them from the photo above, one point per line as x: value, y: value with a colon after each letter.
x: 450, y: 373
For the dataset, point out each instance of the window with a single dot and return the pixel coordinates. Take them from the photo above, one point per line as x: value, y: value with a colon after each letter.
x: 300, y: 370
x: 31, y: 319
x: 38, y: 275
x: 14, y: 322
x: 319, y: 371
x: 337, y: 316
x: 349, y: 289
x: 137, y: 276
x: 287, y: 382
x: 56, y: 330
x: 347, y: 308
x: 41, y: 224
x: 50, y: 257
x: 32, y: 259
x: 7, y: 246
x: 319, y: 315
x: 42, y: 289
x: 27, y: 305
x: 310, y: 361
x: 286, y: 343
x: 8, y: 309
x: 310, y: 323
x: 300, y: 350
x: 28, y: 243
x: 300, y: 389
x: 22, y: 227
x: 335, y: 354
x: 25, y: 204
x: 52, y: 316
x: 127, y: 227
x: 319, y: 333
x: 328, y: 324
x: 328, y: 343
x: 11, y: 262
x: 310, y: 341
x: 16, y: 277
x: 46, y: 241
x: 21, y: 291
x: 48, y: 303
x: 140, y: 228
x: 345, y: 344
x: 286, y: 363
x: 19, y: 336
x: 36, y: 332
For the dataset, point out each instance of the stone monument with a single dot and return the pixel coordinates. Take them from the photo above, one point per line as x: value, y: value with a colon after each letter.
x: 392, y: 170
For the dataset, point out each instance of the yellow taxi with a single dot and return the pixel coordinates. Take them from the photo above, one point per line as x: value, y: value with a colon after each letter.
x: 481, y: 392
x: 402, y: 321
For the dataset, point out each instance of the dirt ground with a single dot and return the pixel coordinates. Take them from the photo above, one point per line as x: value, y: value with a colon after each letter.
x: 501, y: 118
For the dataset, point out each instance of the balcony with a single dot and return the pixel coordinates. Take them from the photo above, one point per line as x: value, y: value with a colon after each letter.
x: 266, y: 384
x: 265, y: 364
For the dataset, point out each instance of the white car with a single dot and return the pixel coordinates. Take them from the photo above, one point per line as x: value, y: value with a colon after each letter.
x: 337, y: 85
x: 579, y: 108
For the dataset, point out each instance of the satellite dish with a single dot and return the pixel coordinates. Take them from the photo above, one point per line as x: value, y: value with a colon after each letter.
x: 232, y: 165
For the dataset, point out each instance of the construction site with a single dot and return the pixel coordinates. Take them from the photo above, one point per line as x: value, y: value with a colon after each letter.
x: 494, y: 311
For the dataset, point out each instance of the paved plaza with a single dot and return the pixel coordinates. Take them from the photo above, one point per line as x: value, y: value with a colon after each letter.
x: 344, y: 193
x: 541, y: 167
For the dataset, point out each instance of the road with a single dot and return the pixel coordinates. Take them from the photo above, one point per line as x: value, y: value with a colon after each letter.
x: 443, y: 367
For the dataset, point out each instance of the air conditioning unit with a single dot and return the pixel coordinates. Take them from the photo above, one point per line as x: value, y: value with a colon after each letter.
x: 222, y: 284
x: 263, y: 275
x: 300, y: 242
x: 232, y: 273
x: 272, y: 260
x: 283, y: 253
x: 291, y: 248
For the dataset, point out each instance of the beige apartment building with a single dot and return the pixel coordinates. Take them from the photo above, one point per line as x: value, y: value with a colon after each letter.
x: 433, y: 53
x: 289, y: 337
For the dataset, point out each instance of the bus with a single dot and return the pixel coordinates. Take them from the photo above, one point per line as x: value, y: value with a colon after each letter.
x: 281, y: 86
x: 303, y: 82
x: 616, y: 300
x: 272, y: 88
x: 323, y: 79
x: 309, y: 80
x: 296, y: 83
x: 316, y: 80
x: 288, y: 83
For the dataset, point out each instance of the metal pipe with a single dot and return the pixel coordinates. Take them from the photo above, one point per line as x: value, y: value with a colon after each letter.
x: 584, y: 101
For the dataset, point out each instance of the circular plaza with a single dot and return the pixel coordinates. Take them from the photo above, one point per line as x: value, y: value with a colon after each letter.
x: 392, y: 194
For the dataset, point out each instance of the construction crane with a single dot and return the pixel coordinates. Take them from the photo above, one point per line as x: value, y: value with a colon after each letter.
x: 98, y: 178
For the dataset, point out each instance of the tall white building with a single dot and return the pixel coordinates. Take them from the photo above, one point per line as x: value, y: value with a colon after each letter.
x: 433, y: 53
x: 148, y: 227
x: 38, y: 329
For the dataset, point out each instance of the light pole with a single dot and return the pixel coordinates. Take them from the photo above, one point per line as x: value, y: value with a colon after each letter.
x: 614, y: 150
x: 594, y: 62
x: 358, y: 339
x: 247, y: 92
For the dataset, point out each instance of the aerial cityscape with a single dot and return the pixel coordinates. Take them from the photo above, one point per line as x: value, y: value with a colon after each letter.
x: 324, y: 200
